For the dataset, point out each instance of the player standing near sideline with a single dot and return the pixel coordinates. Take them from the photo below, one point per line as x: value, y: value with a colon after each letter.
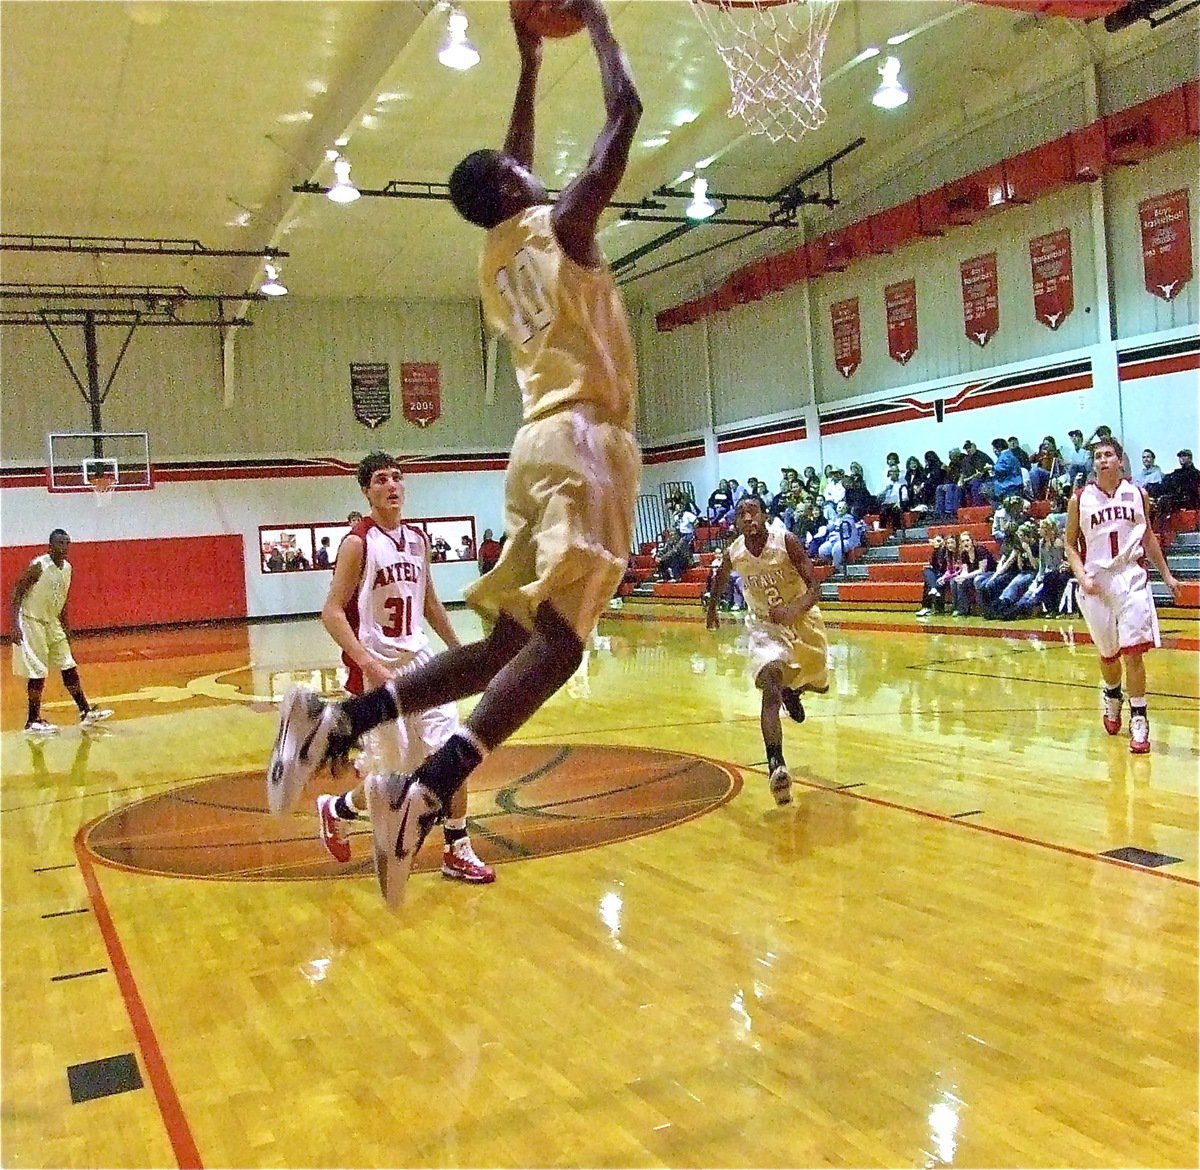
x: 40, y: 645
x: 380, y: 592
x: 1107, y: 543
x: 572, y: 478
x: 789, y: 652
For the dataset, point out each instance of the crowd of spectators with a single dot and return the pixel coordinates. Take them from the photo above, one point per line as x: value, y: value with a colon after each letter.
x: 830, y: 512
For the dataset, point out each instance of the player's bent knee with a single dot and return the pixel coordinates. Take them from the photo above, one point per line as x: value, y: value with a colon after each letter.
x: 563, y: 651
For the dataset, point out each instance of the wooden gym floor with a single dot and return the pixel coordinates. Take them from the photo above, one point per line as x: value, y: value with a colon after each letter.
x: 926, y: 960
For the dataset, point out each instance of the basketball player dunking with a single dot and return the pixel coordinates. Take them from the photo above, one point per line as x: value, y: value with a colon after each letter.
x: 572, y: 477
x: 788, y: 649
x: 1107, y: 544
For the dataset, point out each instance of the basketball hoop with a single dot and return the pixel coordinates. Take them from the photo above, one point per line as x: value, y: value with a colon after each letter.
x: 772, y: 50
x: 104, y: 488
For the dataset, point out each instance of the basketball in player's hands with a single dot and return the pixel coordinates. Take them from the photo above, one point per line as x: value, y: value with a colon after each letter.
x: 547, y: 18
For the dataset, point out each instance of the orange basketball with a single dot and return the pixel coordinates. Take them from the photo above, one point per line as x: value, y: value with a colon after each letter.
x: 546, y: 17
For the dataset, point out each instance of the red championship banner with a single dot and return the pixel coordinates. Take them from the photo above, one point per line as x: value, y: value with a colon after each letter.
x: 1053, y: 282
x: 847, y: 336
x: 421, y: 392
x: 981, y: 298
x: 900, y: 301
x: 1166, y: 243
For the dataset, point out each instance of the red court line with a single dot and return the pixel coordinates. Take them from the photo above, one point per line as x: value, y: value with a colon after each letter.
x: 187, y: 1156
x: 1020, y: 838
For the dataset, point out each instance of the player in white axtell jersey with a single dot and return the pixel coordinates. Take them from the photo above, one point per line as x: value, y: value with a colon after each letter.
x: 1107, y: 544
x: 39, y: 623
x: 788, y: 649
x: 379, y: 602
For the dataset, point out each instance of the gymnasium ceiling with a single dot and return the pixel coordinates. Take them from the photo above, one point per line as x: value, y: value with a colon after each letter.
x: 194, y: 121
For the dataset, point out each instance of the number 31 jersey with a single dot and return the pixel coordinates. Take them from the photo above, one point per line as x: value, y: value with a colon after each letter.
x: 1112, y: 528
x: 387, y: 610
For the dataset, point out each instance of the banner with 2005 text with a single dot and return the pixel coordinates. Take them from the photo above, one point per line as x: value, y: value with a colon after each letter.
x: 981, y: 298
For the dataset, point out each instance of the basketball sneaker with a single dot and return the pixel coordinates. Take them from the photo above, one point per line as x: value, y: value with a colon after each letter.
x: 402, y: 811
x: 1139, y: 734
x: 311, y: 731
x: 781, y: 785
x: 95, y: 715
x: 792, y: 704
x: 1112, y: 715
x: 41, y: 727
x: 459, y: 861
x: 335, y: 833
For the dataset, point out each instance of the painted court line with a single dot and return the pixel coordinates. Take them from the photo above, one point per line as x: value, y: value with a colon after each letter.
x: 179, y: 1133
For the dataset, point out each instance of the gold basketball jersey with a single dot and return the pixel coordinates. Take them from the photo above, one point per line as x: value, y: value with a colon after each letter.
x: 565, y: 323
x: 769, y: 579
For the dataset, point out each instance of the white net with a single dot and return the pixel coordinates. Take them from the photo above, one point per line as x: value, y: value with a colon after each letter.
x: 773, y: 52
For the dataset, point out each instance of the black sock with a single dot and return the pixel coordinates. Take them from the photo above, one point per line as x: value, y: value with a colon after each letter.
x: 445, y: 770
x: 1139, y: 709
x: 342, y: 809
x: 775, y: 756
x: 1113, y: 692
x: 453, y: 835
x: 370, y: 710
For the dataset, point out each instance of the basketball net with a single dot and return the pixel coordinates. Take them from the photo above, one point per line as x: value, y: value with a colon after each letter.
x: 104, y: 488
x: 772, y: 50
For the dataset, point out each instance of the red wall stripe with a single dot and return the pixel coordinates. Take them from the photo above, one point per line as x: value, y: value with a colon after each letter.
x: 1153, y: 367
x: 116, y: 583
x: 788, y: 436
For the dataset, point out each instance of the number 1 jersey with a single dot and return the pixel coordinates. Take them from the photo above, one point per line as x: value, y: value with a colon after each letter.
x: 387, y: 610
x: 1112, y: 528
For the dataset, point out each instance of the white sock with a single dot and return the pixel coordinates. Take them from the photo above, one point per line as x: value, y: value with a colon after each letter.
x: 456, y: 823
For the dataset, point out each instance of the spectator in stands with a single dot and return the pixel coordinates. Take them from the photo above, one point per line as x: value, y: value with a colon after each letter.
x: 757, y: 488
x: 937, y: 568
x: 1053, y: 572
x: 974, y: 561
x: 843, y: 534
x: 835, y: 492
x: 892, y: 459
x: 935, y: 475
x: 1006, y: 473
x: 489, y: 552
x: 975, y: 471
x: 1149, y: 475
x: 1014, y: 445
x: 1046, y: 467
x: 913, y: 489
x: 466, y: 549
x: 889, y: 502
x: 858, y: 500
x: 674, y: 555
x: 720, y: 500
x: 812, y: 481
x: 948, y: 495
x: 1078, y: 459
x: 1005, y: 605
x: 321, y: 558
x: 990, y: 585
x: 807, y: 524
x: 1056, y: 497
x: 275, y: 561
x: 682, y: 514
x: 1180, y: 488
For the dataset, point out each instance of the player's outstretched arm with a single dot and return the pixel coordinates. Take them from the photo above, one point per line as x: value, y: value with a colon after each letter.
x: 584, y: 199
x: 519, y: 142
x: 716, y: 591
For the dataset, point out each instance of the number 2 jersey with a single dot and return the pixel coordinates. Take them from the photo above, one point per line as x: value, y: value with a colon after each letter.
x: 386, y: 611
x: 1112, y: 529
x: 767, y: 579
x: 565, y: 322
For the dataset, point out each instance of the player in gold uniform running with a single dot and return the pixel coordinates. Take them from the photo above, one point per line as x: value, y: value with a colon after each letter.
x: 788, y: 648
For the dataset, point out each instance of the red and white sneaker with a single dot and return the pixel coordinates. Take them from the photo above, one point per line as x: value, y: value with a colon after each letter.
x: 1112, y: 714
x: 1139, y: 735
x: 335, y: 833
x: 460, y: 862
